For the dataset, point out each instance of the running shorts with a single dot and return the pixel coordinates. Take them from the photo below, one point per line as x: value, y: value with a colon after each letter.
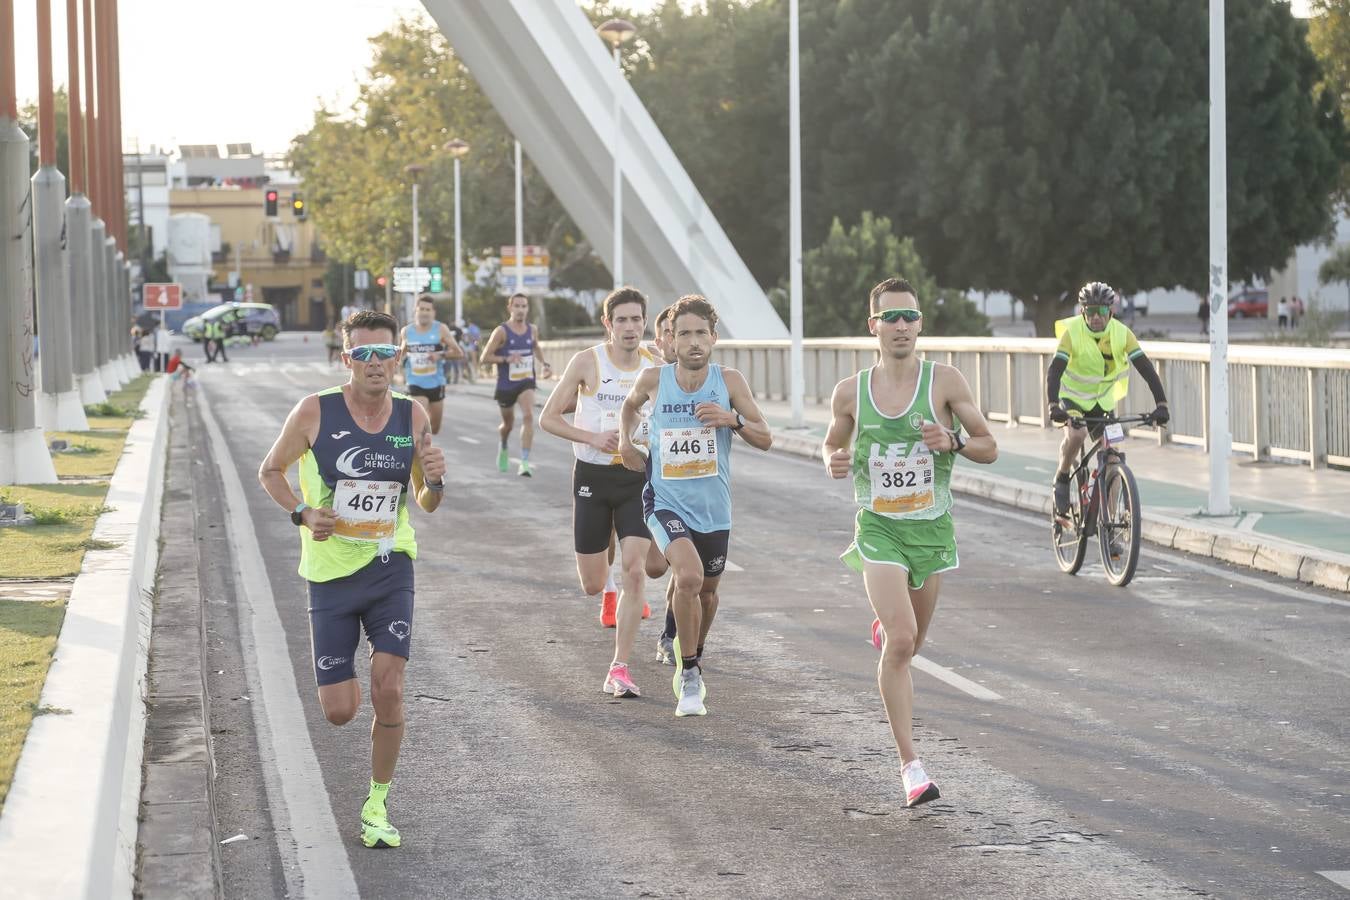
x: 433, y: 394
x: 378, y: 597
x: 605, y: 499
x: 921, y: 547
x: 506, y: 397
x: 666, y: 526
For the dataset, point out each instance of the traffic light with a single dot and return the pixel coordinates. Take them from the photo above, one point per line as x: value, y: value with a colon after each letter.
x: 270, y: 202
x: 298, y: 206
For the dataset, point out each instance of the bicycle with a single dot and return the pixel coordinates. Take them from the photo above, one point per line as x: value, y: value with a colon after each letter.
x: 1106, y: 502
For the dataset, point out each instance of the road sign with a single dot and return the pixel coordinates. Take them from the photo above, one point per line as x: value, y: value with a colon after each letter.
x: 408, y: 280
x: 163, y: 296
x: 534, y: 285
x: 362, y: 280
x: 436, y: 282
x: 527, y: 250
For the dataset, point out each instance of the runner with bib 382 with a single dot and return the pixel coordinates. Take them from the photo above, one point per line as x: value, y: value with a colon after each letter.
x: 896, y: 429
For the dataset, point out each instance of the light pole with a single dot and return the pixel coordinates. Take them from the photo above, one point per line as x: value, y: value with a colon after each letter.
x: 414, y: 171
x: 458, y: 150
x: 796, y: 377
x: 1220, y: 441
x: 520, y: 223
x: 616, y: 32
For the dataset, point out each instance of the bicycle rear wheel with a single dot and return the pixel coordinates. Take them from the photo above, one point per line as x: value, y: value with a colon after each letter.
x: 1069, y: 536
x: 1118, y: 524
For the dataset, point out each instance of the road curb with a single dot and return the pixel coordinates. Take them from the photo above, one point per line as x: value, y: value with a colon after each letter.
x: 1288, y: 560
x: 70, y: 821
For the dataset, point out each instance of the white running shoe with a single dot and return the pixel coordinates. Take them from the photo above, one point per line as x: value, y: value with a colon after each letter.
x: 919, y: 788
x: 691, y: 694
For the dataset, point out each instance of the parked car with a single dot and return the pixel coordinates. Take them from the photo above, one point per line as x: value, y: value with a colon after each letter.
x: 239, y: 319
x: 1248, y: 303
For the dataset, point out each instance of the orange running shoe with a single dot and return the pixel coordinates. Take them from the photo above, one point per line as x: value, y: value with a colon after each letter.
x: 609, y: 605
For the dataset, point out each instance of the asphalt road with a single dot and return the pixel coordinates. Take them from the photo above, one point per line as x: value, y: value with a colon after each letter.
x: 1185, y: 735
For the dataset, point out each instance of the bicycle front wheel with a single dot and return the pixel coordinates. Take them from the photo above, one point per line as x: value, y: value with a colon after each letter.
x: 1069, y: 535
x: 1118, y: 524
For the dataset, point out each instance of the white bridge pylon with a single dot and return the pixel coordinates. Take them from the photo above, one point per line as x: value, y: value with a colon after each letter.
x: 552, y: 80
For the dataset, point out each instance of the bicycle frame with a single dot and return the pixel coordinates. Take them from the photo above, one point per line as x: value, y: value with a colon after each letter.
x: 1105, y: 455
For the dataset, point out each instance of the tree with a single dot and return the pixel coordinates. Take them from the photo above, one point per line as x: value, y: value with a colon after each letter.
x: 1336, y: 267
x: 417, y: 96
x: 838, y: 275
x: 1329, y: 37
x: 1068, y: 142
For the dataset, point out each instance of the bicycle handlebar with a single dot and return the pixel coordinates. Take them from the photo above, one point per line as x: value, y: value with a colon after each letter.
x: 1085, y: 421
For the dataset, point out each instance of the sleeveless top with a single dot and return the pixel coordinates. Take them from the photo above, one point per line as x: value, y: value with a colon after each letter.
x: 421, y: 369
x: 894, y: 474
x: 362, y: 477
x: 513, y: 375
x: 691, y: 462
x: 599, y: 410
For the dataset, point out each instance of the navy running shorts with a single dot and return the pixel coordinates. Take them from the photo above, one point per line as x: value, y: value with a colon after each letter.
x: 506, y: 397
x: 666, y: 526
x: 378, y: 597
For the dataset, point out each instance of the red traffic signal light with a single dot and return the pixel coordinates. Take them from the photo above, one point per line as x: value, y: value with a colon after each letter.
x: 270, y: 202
x: 380, y: 281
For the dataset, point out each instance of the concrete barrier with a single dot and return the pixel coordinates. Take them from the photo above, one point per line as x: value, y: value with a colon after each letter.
x: 68, y: 828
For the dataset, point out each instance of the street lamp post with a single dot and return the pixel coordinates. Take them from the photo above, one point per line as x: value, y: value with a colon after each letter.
x: 1220, y: 441
x: 520, y: 222
x: 458, y: 150
x: 414, y: 171
x: 615, y: 32
x: 797, y: 378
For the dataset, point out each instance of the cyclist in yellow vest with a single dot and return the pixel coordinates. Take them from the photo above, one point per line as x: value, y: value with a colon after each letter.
x: 1090, y: 374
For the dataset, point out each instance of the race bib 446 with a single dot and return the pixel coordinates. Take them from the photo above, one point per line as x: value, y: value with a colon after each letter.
x: 688, y: 453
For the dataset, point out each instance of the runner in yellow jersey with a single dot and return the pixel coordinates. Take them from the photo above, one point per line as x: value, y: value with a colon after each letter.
x: 362, y: 450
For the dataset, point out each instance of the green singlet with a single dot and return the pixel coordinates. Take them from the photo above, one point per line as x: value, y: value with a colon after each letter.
x: 903, y: 489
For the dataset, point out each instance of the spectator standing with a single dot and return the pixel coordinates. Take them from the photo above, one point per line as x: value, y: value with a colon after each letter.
x: 1203, y: 314
x: 1295, y: 311
x: 1282, y: 310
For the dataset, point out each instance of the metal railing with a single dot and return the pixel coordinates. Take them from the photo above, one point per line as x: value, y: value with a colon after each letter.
x: 1284, y: 402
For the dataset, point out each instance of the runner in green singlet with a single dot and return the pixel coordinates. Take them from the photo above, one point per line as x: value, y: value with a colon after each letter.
x: 896, y: 429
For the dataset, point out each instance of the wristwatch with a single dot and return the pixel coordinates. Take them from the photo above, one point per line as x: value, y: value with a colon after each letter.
x: 740, y: 422
x: 958, y: 441
x: 435, y: 488
x: 297, y: 514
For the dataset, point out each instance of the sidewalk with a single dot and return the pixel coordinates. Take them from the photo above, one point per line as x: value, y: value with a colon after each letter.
x: 1289, y: 520
x: 1304, y: 534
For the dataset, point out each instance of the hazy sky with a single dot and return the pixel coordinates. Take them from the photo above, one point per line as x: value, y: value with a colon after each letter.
x: 255, y: 73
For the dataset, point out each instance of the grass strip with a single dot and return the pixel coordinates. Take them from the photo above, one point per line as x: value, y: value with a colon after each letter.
x: 28, y: 631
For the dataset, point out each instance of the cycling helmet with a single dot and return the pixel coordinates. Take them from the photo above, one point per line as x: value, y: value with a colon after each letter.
x: 1097, y: 293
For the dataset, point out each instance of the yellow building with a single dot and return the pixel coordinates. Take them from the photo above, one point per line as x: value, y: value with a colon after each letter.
x: 279, y: 257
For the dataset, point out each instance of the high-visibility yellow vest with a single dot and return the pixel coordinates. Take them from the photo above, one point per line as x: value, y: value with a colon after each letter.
x: 1087, y: 381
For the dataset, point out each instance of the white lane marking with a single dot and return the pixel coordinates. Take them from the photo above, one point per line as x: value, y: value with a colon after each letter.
x: 305, y: 829
x: 732, y: 567
x: 1341, y: 878
x: 960, y: 682
x: 1249, y: 521
x: 1175, y: 558
x: 469, y: 440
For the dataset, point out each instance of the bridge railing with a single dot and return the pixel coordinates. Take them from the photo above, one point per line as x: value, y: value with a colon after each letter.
x: 1284, y: 402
